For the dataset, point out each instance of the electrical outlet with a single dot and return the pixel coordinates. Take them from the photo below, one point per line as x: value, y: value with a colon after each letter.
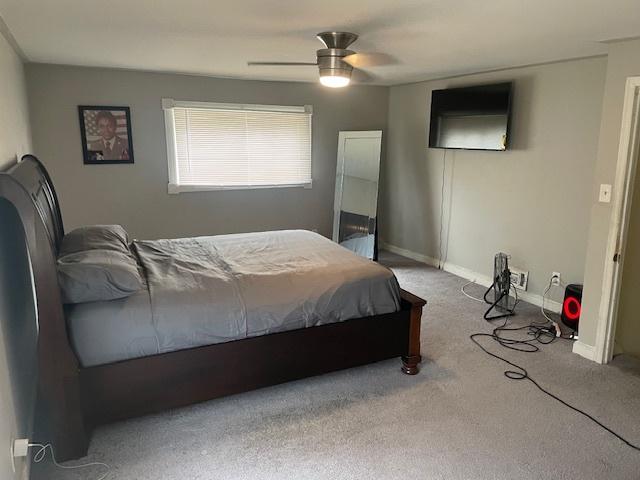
x: 19, y: 448
x: 519, y: 278
x: 555, y: 278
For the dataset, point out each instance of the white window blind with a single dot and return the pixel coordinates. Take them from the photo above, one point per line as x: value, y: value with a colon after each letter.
x: 228, y: 146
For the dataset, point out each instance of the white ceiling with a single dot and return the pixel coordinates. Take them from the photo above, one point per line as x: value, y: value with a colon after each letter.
x: 427, y: 38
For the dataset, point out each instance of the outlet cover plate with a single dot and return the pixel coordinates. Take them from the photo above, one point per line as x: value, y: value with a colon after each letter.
x: 519, y: 278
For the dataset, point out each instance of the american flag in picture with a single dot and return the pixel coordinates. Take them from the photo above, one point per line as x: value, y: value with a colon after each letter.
x: 92, y: 128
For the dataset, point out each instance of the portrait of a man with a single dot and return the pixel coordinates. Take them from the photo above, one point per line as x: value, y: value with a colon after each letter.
x: 106, y: 134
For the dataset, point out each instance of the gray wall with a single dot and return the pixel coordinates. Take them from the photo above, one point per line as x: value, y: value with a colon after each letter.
x: 547, y: 177
x: 532, y: 201
x: 136, y: 195
x: 17, y: 319
x: 623, y: 62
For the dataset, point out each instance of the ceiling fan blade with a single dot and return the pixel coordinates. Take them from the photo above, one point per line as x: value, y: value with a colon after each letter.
x: 282, y: 64
x: 364, y: 60
x: 360, y: 76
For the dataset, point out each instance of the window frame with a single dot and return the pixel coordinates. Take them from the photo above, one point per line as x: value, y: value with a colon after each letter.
x: 168, y: 105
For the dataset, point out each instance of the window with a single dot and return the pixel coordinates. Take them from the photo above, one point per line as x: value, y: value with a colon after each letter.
x: 214, y: 146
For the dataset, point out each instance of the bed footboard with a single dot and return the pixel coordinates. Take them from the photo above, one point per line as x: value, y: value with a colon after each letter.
x: 151, y: 384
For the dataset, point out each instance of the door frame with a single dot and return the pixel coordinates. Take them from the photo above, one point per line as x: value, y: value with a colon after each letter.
x: 626, y: 167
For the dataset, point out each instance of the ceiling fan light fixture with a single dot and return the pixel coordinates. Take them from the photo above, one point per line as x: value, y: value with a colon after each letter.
x: 335, y: 62
x: 334, y: 73
x: 335, y: 79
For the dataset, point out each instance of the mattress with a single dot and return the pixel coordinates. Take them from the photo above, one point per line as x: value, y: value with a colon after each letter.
x: 208, y: 290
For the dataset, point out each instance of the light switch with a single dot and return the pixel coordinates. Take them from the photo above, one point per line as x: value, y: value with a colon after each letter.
x: 605, y: 193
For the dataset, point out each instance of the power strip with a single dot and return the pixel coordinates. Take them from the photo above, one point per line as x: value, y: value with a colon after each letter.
x: 519, y: 278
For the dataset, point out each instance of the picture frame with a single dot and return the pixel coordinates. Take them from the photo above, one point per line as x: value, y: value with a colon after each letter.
x: 106, y: 134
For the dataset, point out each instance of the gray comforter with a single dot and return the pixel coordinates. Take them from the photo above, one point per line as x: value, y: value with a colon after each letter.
x: 208, y: 290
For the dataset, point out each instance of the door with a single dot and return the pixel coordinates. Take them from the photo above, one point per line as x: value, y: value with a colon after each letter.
x: 615, y: 254
x: 356, y: 196
x: 627, y: 330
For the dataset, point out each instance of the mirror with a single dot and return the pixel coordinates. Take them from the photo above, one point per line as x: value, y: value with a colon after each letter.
x: 356, y: 198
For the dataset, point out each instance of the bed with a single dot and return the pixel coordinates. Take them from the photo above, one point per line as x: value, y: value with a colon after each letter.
x: 216, y: 316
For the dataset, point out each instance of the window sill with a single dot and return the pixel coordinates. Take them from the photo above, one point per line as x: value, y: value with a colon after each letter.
x: 174, y: 189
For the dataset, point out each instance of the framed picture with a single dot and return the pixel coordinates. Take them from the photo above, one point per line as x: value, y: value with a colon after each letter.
x: 106, y: 134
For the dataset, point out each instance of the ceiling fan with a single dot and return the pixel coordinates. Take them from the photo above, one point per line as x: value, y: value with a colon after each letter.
x: 335, y: 62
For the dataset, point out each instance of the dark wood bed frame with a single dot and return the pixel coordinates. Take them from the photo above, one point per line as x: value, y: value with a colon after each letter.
x: 76, y: 399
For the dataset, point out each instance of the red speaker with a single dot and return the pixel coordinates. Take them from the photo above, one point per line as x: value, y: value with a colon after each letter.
x: 572, y: 306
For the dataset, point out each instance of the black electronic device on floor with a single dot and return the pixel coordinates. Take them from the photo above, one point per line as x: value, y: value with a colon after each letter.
x: 572, y: 306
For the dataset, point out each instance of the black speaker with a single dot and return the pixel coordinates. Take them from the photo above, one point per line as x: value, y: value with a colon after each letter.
x: 572, y: 306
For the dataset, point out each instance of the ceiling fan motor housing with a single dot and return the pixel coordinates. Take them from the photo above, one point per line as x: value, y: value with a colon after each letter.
x: 330, y: 62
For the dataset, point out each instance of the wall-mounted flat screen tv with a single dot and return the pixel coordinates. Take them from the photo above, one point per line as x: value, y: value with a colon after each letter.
x: 473, y: 118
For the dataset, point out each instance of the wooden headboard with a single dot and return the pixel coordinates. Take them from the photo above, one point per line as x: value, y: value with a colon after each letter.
x: 28, y: 187
x: 34, y: 178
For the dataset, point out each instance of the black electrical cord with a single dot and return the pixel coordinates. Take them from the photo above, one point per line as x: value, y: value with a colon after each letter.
x: 541, y: 335
x: 444, y: 169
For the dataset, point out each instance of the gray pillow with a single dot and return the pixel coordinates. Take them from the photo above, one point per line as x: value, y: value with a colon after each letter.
x: 97, y: 275
x: 95, y: 237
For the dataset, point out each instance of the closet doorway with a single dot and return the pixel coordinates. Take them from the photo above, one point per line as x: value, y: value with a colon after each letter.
x: 619, y: 316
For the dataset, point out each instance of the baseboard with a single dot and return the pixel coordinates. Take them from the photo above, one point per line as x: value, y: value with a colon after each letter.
x: 584, y: 350
x: 409, y: 254
x: 468, y: 274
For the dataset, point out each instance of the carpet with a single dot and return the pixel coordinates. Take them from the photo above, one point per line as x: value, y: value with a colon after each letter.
x: 459, y: 418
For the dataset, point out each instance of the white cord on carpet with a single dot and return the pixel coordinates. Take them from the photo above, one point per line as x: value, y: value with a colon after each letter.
x: 544, y: 297
x: 41, y: 454
x: 481, y: 300
x: 470, y: 296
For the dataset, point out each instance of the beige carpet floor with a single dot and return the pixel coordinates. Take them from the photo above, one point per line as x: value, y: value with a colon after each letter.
x: 460, y: 418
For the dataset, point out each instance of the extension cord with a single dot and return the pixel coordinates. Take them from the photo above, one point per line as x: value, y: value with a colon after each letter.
x: 520, y: 373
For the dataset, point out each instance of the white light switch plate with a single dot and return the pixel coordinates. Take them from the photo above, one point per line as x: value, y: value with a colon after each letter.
x: 605, y: 193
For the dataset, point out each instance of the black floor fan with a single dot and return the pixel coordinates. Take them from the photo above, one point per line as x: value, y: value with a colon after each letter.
x: 502, y: 305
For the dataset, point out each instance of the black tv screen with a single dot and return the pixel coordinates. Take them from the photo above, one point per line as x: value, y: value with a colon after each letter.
x: 474, y: 118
